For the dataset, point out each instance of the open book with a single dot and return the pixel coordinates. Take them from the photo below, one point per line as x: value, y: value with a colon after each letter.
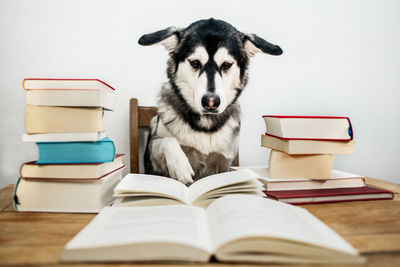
x: 235, y: 228
x: 147, y: 190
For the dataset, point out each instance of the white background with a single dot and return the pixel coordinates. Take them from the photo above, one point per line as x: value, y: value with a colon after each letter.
x: 341, y: 58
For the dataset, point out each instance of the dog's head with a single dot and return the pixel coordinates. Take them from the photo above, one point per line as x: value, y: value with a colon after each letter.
x: 208, y: 61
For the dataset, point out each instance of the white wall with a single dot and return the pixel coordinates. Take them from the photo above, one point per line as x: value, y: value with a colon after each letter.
x: 340, y: 58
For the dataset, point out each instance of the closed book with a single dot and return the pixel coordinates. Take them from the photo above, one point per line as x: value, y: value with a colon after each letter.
x: 296, y: 146
x: 70, y: 98
x: 338, y: 179
x: 314, y: 166
x: 329, y: 195
x: 72, y: 171
x: 69, y: 84
x: 63, y: 137
x: 76, y: 152
x: 43, y: 119
x: 50, y: 195
x: 309, y: 127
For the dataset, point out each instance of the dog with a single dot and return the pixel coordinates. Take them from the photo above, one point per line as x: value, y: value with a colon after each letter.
x: 195, y: 133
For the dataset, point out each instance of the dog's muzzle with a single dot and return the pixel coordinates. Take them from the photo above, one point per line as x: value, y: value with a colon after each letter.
x: 210, y: 102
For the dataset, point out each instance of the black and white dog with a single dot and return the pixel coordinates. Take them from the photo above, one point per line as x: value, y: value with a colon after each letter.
x: 196, y: 131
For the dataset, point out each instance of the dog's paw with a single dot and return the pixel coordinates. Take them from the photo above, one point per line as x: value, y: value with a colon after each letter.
x: 178, y: 165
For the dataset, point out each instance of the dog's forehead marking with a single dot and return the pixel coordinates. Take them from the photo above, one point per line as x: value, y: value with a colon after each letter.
x: 222, y: 55
x: 200, y: 53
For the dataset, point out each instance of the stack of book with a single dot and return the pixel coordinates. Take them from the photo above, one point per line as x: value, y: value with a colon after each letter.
x: 77, y: 168
x: 302, y: 149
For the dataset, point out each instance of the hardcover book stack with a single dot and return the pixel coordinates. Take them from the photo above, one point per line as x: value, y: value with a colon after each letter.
x: 77, y: 168
x: 302, y: 148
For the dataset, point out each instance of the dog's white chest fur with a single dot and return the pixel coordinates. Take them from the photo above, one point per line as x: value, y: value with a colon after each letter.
x: 222, y: 141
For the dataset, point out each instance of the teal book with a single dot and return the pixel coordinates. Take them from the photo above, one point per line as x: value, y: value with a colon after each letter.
x: 76, y: 152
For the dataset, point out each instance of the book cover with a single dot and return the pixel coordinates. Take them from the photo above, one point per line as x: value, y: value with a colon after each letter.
x: 77, y: 196
x: 297, y: 147
x: 314, y: 166
x: 338, y: 179
x: 45, y: 119
x: 330, y: 195
x: 76, y: 152
x: 63, y: 137
x: 70, y: 171
x: 309, y: 127
x: 71, y: 84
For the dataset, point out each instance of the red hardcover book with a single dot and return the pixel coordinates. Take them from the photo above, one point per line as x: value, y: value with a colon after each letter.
x: 65, y: 84
x: 309, y: 127
x: 329, y: 195
x: 71, y: 171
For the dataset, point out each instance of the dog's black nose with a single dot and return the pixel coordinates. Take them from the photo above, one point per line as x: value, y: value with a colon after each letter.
x: 210, y: 101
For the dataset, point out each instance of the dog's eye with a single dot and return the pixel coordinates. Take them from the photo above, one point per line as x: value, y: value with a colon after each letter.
x: 195, y: 64
x: 226, y: 66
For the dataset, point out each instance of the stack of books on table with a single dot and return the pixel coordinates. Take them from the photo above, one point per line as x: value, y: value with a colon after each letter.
x: 300, y: 163
x: 77, y: 168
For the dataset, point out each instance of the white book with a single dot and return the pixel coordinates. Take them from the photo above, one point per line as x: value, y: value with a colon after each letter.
x: 235, y: 228
x: 64, y: 137
x: 55, y: 195
x: 145, y: 190
x: 338, y: 179
x: 69, y: 93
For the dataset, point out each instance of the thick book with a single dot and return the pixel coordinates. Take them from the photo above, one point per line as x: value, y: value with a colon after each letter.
x: 69, y: 84
x: 71, y: 98
x: 330, y: 195
x: 314, y: 166
x: 235, y: 228
x: 146, y: 190
x: 43, y: 119
x: 295, y: 147
x: 338, y: 179
x: 63, y: 137
x: 76, y: 152
x: 52, y: 195
x: 309, y: 127
x: 72, y: 171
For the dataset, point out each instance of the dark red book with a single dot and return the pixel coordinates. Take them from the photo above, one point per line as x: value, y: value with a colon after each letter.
x: 329, y: 195
x: 309, y: 127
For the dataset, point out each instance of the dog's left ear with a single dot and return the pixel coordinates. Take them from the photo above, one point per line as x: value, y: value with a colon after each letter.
x: 168, y: 37
x: 254, y: 44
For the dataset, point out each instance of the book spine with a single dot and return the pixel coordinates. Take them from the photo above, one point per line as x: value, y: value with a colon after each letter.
x: 314, y: 139
x: 76, y: 152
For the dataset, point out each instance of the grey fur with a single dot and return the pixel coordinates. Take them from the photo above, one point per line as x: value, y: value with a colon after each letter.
x: 184, y: 141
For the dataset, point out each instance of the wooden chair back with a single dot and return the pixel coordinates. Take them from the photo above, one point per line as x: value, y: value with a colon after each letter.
x: 140, y: 116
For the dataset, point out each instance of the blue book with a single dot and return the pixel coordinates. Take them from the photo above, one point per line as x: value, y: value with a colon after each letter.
x: 76, y: 152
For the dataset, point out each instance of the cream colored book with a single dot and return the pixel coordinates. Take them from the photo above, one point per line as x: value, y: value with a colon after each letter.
x: 71, y: 98
x: 235, y: 228
x: 147, y: 190
x: 294, y: 146
x: 43, y: 119
x: 64, y: 137
x: 55, y: 195
x: 338, y: 179
x: 316, y: 166
x: 71, y: 171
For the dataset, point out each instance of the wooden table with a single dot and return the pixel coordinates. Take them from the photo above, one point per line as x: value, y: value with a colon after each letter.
x: 37, y: 239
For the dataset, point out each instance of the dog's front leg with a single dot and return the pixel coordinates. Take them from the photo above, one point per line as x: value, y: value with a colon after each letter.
x: 177, y: 163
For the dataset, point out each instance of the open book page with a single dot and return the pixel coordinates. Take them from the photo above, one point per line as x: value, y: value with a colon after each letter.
x: 240, y: 216
x: 147, y: 185
x: 115, y: 226
x: 219, y: 180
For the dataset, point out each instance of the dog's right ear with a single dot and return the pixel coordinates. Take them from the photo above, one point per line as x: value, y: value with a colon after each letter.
x: 169, y: 38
